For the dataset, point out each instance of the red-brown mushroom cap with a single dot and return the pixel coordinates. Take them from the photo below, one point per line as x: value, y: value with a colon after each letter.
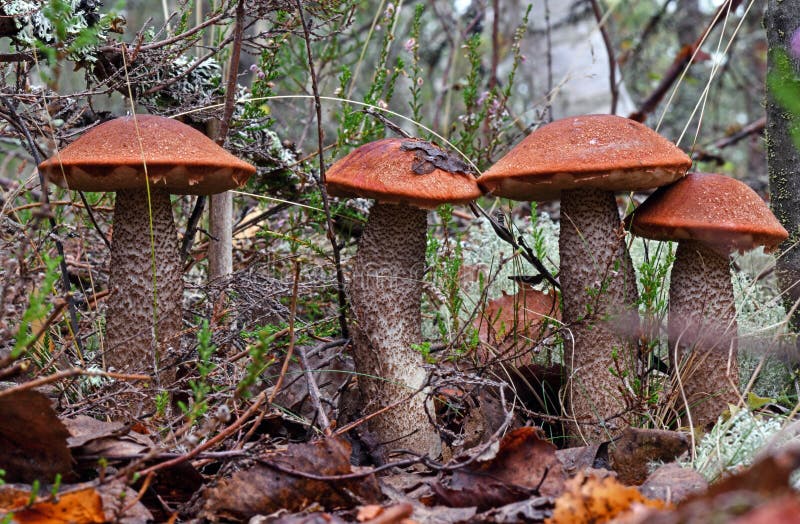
x: 601, y: 151
x: 402, y: 171
x: 710, y: 208
x: 179, y: 159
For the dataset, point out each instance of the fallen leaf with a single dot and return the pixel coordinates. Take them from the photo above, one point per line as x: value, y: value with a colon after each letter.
x: 83, y: 505
x: 268, y: 486
x: 92, y: 437
x: 631, y: 453
x: 33, y: 442
x: 590, y: 500
x: 397, y: 514
x: 523, y: 463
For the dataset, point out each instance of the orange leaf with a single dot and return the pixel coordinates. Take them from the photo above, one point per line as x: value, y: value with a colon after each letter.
x: 591, y: 500
x: 84, y: 506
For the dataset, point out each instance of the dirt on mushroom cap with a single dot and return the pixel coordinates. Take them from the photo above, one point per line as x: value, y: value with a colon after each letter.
x: 393, y: 170
x: 179, y: 159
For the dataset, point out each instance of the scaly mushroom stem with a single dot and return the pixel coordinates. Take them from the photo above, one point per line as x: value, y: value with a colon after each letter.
x: 598, y: 285
x: 385, y: 294
x: 130, y: 322
x: 703, y: 329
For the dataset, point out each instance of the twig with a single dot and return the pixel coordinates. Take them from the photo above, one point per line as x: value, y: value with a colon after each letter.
x: 681, y: 63
x: 290, y: 349
x: 313, y: 392
x: 753, y: 128
x: 505, y: 234
x: 94, y: 222
x: 612, y: 62
x: 322, y: 188
x: 67, y: 373
x: 73, y: 315
x: 219, y: 437
x: 191, y: 226
x: 233, y: 73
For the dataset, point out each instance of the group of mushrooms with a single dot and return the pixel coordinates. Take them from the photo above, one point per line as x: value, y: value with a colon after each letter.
x: 581, y: 160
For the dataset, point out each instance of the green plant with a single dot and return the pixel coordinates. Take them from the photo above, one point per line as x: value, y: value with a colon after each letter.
x: 37, y: 307
x: 200, y: 387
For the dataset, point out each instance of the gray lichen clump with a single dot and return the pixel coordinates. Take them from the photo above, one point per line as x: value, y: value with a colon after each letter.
x: 144, y: 159
x: 406, y: 177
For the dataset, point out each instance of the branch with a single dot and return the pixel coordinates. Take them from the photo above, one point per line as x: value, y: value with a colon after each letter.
x: 321, y: 182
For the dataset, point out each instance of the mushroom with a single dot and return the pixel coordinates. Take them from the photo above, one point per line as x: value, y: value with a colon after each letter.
x: 406, y: 178
x: 115, y: 156
x: 584, y: 160
x: 511, y: 323
x: 710, y: 216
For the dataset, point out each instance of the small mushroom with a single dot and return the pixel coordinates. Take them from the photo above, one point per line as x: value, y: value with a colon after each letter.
x: 406, y: 178
x: 144, y: 158
x: 710, y: 216
x: 584, y: 160
x: 511, y: 324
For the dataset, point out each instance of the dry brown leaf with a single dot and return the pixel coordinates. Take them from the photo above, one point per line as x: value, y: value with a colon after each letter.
x: 265, y: 488
x: 33, y: 442
x: 589, y: 500
x: 83, y: 505
x: 524, y: 462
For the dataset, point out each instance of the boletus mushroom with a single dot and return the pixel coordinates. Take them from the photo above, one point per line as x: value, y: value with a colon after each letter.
x: 406, y: 178
x: 584, y: 160
x: 711, y: 216
x: 144, y: 159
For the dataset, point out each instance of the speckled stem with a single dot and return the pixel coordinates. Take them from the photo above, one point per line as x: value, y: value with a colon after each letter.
x: 385, y: 294
x: 129, y: 317
x: 598, y: 284
x: 702, y: 324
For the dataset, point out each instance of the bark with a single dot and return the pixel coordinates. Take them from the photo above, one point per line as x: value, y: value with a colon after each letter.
x: 132, y: 327
x: 782, y: 19
x: 702, y: 332
x: 598, y: 286
x: 385, y: 295
x: 220, y: 246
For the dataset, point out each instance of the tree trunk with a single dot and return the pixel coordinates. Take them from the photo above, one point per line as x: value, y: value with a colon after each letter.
x: 220, y: 246
x: 782, y: 19
x: 220, y: 221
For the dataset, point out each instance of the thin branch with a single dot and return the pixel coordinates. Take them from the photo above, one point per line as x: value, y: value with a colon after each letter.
x: 73, y: 315
x: 322, y: 188
x: 612, y: 62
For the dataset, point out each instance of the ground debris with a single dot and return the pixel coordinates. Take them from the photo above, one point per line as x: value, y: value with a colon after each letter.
x: 525, y: 465
x: 270, y: 485
x: 33, y: 442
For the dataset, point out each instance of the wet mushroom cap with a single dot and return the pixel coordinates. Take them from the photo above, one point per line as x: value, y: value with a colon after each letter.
x: 711, y: 208
x: 403, y: 171
x: 178, y: 158
x: 605, y: 152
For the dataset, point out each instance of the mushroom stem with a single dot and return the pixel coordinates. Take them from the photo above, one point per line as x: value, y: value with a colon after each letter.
x: 385, y: 294
x: 131, y: 327
x: 598, y: 286
x: 703, y: 330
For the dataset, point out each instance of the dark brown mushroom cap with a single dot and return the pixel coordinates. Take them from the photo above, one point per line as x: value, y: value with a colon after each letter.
x: 715, y: 209
x: 599, y: 151
x: 402, y: 171
x: 178, y: 158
